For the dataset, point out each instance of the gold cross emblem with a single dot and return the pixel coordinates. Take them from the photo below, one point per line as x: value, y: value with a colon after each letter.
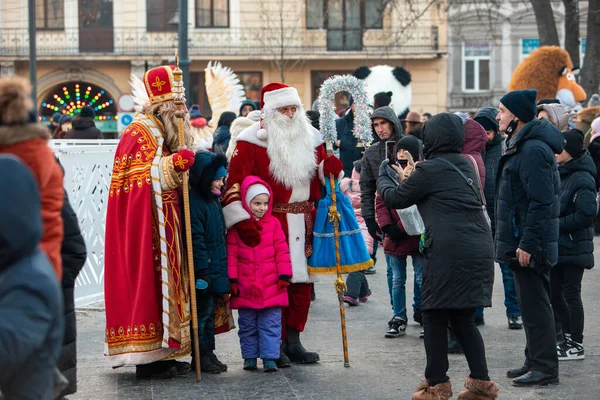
x: 180, y: 162
x: 158, y: 84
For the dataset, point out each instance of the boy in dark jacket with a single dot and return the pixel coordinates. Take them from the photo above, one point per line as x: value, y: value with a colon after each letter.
x: 31, y: 326
x: 207, y: 178
x: 575, y: 243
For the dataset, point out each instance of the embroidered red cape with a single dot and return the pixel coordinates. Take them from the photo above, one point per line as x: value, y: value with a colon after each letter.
x: 146, y: 288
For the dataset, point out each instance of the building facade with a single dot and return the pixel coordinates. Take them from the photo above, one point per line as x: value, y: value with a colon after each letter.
x: 485, y: 45
x: 87, y: 49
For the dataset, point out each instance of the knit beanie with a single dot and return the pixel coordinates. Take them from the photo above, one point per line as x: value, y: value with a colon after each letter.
x: 56, y: 117
x: 521, y: 103
x: 573, y: 142
x: 221, y: 173
x: 594, y: 101
x: 383, y: 99
x: 195, y: 111
x: 87, y: 112
x: 596, y: 125
x: 410, y: 144
x: 64, y: 119
x: 255, y: 190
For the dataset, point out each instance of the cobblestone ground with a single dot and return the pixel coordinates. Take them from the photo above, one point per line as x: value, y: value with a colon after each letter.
x: 380, y: 368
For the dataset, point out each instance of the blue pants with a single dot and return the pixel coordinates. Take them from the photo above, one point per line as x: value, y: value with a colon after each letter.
x: 398, y: 267
x: 357, y: 284
x: 510, y: 294
x: 260, y: 332
x: 205, y: 305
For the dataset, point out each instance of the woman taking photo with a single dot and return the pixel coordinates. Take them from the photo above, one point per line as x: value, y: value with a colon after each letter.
x: 458, y: 272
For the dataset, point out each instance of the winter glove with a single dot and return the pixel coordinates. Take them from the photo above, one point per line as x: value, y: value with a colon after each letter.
x: 235, y: 291
x: 284, y: 282
x: 373, y: 228
x: 183, y: 160
x: 394, y: 232
x: 332, y: 166
x: 248, y: 232
x: 203, y: 280
x: 385, y: 170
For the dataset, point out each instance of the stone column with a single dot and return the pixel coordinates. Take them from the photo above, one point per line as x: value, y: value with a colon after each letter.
x: 138, y: 68
x: 7, y: 69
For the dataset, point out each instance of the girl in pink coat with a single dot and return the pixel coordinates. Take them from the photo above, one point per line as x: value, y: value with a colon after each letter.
x: 259, y: 278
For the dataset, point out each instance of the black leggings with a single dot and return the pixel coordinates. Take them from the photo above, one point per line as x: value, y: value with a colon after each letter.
x: 436, y: 344
x: 565, y: 289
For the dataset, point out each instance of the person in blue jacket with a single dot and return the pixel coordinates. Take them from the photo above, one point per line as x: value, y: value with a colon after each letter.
x: 207, y: 179
x: 31, y: 308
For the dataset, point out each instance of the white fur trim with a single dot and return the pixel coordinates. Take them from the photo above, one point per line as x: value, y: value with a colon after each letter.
x: 255, y: 190
x: 254, y: 115
x: 281, y: 98
x: 234, y: 213
x: 262, y: 134
x: 297, y: 236
x: 145, y: 357
x: 322, y: 174
x: 250, y: 135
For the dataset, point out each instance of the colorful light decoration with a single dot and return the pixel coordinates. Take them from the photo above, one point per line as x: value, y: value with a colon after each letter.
x: 70, y: 98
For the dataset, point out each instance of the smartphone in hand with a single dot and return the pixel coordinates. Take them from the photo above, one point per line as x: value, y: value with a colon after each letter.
x: 390, y: 152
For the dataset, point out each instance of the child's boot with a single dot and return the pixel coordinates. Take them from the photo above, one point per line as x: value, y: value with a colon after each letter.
x: 269, y: 365
x: 441, y: 391
x: 479, y: 390
x: 250, y: 364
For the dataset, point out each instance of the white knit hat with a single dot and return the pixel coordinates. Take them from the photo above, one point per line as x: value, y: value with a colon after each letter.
x: 255, y: 190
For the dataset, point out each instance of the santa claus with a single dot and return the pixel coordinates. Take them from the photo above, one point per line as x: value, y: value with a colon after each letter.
x: 285, y: 151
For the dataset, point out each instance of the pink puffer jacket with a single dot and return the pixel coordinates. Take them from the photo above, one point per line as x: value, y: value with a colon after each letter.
x: 258, y: 269
x: 351, y: 188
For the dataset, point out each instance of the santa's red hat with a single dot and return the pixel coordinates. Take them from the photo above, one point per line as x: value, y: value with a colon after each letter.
x: 273, y: 96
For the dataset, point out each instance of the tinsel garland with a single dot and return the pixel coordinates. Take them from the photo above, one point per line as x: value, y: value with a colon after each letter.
x: 362, y: 121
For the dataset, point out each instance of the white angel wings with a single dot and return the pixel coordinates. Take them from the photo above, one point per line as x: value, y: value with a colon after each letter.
x: 224, y: 90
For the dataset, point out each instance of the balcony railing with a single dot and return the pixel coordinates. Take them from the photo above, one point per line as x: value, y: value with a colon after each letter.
x: 249, y: 42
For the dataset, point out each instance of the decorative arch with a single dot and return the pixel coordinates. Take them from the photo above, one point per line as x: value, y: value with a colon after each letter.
x: 51, y: 79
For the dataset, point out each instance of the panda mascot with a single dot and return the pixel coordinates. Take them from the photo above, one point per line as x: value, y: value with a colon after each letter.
x: 386, y: 79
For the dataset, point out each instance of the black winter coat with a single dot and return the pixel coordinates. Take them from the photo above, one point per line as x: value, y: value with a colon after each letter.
x: 349, y: 152
x: 491, y: 158
x: 459, y: 268
x: 208, y: 224
x: 222, y: 138
x: 527, y: 188
x: 372, y: 159
x: 577, y: 212
x: 74, y: 254
x: 84, y: 128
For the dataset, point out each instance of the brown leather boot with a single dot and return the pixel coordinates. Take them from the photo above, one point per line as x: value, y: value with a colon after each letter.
x: 441, y: 391
x: 479, y: 390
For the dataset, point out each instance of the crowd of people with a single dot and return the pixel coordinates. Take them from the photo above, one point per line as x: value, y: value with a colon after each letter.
x: 514, y: 185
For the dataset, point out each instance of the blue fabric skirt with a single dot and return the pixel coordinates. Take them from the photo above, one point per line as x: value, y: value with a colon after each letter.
x: 353, y: 250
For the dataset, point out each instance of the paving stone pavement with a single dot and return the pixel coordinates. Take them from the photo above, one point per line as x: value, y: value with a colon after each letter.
x: 380, y: 368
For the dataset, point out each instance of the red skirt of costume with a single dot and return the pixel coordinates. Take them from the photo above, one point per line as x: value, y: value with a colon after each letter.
x: 145, y: 284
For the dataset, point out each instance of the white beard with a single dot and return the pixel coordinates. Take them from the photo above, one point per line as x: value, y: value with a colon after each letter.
x: 290, y: 148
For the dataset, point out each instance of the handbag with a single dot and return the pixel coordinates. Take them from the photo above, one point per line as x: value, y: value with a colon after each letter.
x: 469, y: 181
x: 411, y: 220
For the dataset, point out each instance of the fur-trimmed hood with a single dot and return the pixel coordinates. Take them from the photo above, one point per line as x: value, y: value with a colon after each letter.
x: 203, y: 172
x: 588, y: 114
x: 13, y: 134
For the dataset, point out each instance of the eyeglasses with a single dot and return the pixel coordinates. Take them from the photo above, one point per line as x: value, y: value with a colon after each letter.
x: 288, y: 109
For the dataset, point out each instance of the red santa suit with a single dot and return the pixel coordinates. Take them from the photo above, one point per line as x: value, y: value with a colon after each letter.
x: 293, y: 205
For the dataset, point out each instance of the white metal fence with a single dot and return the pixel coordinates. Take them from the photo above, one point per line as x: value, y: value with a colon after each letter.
x: 88, y: 168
